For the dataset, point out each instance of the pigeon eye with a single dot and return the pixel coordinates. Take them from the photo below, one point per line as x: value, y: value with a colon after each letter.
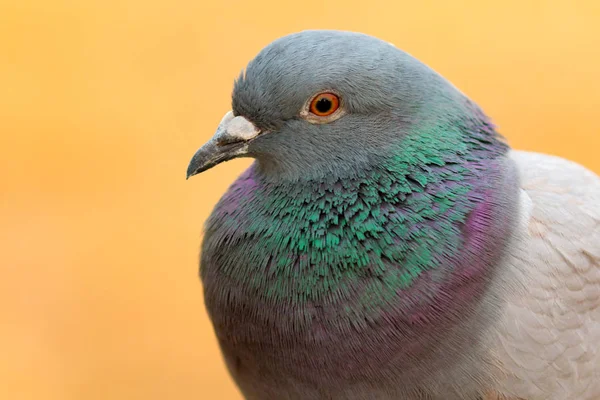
x: 324, y: 104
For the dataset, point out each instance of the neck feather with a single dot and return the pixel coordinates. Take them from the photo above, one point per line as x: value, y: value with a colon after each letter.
x: 408, y: 223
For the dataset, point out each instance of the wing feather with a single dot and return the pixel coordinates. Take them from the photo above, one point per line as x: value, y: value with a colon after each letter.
x: 549, y: 340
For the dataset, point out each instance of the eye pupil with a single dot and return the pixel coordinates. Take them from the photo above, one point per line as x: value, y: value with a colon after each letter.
x: 323, y: 105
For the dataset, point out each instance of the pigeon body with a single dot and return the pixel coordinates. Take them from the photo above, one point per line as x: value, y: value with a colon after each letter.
x: 396, y: 248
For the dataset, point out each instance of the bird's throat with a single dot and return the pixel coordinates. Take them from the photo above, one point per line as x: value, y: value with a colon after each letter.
x: 403, y: 233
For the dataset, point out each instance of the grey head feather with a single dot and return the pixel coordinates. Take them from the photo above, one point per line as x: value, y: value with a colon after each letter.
x: 384, y: 91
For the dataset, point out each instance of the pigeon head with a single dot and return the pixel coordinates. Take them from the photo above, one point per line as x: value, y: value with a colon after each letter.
x: 322, y: 103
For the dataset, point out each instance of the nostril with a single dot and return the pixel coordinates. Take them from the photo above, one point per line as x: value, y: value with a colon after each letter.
x: 241, y: 128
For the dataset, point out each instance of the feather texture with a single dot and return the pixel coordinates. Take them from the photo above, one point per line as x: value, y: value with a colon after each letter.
x: 401, y: 251
x: 549, y: 339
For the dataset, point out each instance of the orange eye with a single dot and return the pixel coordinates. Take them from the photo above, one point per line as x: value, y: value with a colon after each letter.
x: 324, y: 104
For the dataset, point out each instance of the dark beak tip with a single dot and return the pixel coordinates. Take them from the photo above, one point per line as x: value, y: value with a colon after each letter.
x: 191, y: 169
x: 190, y: 172
x: 210, y: 155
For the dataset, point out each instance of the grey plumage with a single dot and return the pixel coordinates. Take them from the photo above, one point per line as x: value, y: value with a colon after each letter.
x: 400, y: 249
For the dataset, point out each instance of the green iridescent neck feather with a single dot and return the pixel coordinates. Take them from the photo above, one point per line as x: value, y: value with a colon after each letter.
x: 365, y: 238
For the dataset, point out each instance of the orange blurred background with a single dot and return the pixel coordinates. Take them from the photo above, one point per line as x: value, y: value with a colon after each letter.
x: 102, y: 104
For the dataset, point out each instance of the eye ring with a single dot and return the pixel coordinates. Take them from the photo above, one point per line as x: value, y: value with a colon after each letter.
x: 324, y: 104
x: 317, y: 111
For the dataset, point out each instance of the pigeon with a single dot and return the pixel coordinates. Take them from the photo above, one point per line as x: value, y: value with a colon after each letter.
x: 388, y: 243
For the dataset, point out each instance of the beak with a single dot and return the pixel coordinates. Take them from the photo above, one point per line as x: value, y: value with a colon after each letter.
x: 230, y: 141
